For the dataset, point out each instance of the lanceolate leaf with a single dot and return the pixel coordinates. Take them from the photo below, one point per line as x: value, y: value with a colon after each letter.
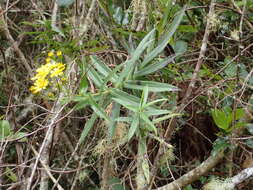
x: 103, y: 68
x: 88, y: 125
x: 154, y: 67
x: 125, y: 96
x: 98, y: 109
x: 166, y: 38
x: 149, y: 125
x: 134, y: 126
x: 95, y: 77
x: 152, y: 86
x: 130, y: 64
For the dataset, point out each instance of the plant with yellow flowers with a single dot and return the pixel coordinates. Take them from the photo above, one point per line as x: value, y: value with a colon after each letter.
x: 52, y: 69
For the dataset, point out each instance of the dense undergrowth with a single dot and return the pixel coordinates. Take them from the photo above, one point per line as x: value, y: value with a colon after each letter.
x: 128, y: 94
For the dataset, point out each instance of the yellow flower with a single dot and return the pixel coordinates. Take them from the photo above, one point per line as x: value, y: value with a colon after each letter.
x: 50, y: 54
x: 39, y: 85
x: 58, y: 70
x: 34, y: 89
x: 48, y: 60
x: 45, y: 72
x: 58, y: 53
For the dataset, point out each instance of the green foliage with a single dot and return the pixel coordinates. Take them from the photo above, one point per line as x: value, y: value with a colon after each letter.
x: 5, y: 129
x: 226, y: 119
x: 6, y: 132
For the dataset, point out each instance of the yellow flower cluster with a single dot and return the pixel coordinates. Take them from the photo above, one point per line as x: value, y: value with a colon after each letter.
x: 49, y: 70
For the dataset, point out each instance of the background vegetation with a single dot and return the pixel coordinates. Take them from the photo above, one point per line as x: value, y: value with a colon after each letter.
x: 126, y: 94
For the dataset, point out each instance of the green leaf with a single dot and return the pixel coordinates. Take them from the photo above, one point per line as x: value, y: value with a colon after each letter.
x: 103, y: 68
x: 153, y: 112
x: 221, y: 119
x: 219, y: 145
x: 250, y: 128
x: 154, y: 67
x: 83, y: 85
x: 239, y: 124
x: 187, y: 28
x: 180, y: 47
x: 88, y: 125
x: 159, y: 119
x: 150, y: 126
x: 129, y: 105
x: 134, y: 126
x: 130, y: 64
x: 98, y: 109
x: 115, y: 184
x: 11, y: 175
x: 152, y: 86
x: 156, y: 101
x: 231, y: 70
x: 144, y: 97
x: 165, y: 40
x: 239, y: 113
x: 5, y: 129
x: 249, y: 143
x: 95, y: 77
x: 57, y: 30
x: 125, y: 96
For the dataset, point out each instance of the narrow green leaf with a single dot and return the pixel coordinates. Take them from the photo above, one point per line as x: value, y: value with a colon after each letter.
x: 129, y: 105
x: 152, y: 86
x: 156, y: 101
x: 149, y: 125
x: 144, y: 97
x: 166, y: 38
x: 157, y: 120
x: 145, y: 168
x: 125, y: 96
x: 98, y: 109
x: 112, y: 124
x: 130, y: 64
x: 124, y: 119
x: 95, y: 77
x: 103, y: 68
x: 153, y: 112
x: 83, y: 85
x: 88, y: 125
x: 154, y: 67
x: 5, y: 129
x: 134, y: 126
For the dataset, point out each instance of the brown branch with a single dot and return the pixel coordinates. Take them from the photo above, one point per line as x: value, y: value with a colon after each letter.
x: 194, y: 174
x: 14, y: 43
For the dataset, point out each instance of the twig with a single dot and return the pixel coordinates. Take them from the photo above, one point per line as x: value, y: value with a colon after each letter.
x: 195, y: 173
x: 243, y: 175
x: 47, y: 169
x: 14, y: 44
x: 88, y: 19
x: 43, y: 154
